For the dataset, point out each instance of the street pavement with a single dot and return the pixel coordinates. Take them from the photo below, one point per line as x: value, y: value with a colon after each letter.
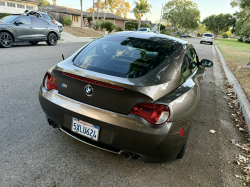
x: 32, y: 153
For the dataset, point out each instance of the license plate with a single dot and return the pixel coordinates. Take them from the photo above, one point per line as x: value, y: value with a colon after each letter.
x: 85, y: 129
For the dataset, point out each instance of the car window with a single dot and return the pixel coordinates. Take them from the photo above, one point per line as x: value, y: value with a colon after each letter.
x: 46, y: 16
x: 38, y: 21
x: 142, y: 29
x: 184, y: 69
x: 208, y: 35
x: 8, y: 19
x: 124, y: 56
x: 24, y: 20
x: 192, y: 59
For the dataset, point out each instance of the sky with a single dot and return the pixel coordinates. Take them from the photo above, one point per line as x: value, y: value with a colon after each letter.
x: 206, y: 7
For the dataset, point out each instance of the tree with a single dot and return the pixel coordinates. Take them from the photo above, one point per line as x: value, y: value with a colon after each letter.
x: 44, y: 2
x: 141, y: 7
x: 117, y: 7
x: 98, y: 6
x: 217, y: 23
x: 54, y: 2
x: 181, y: 14
x: 242, y: 26
x: 93, y: 11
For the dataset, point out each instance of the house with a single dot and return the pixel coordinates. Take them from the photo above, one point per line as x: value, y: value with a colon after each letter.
x: 58, y: 12
x: 18, y: 6
x: 154, y: 26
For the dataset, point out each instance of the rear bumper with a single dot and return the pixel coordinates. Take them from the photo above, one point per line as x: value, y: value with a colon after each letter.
x: 118, y: 132
x: 207, y: 40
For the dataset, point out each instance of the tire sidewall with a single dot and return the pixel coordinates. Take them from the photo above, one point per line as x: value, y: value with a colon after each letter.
x: 48, y: 41
x: 11, y: 38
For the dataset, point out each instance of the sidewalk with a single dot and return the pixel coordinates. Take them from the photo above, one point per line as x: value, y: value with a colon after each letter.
x: 71, y: 38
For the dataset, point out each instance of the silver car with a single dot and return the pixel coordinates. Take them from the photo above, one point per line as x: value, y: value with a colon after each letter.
x: 128, y: 93
x: 208, y: 38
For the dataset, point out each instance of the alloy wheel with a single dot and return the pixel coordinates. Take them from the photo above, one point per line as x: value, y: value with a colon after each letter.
x: 6, y: 40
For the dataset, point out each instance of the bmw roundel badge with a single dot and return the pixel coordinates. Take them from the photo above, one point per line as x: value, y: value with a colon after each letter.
x: 89, y: 90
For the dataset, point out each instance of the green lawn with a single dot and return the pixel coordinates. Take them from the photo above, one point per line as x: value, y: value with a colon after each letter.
x: 236, y: 55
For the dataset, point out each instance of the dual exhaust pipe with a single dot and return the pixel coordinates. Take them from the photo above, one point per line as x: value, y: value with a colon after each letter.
x: 128, y: 155
x: 52, y: 123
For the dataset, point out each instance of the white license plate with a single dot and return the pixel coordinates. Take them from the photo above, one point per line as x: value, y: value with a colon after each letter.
x: 85, y: 129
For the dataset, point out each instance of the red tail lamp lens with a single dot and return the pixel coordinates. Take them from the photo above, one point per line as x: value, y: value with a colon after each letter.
x: 182, y: 131
x: 203, y: 37
x: 153, y: 113
x: 212, y: 38
x: 50, y: 82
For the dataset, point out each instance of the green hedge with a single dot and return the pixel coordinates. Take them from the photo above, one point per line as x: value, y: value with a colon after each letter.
x: 133, y: 25
x: 67, y: 21
x: 225, y: 35
x: 3, y: 15
x: 240, y: 40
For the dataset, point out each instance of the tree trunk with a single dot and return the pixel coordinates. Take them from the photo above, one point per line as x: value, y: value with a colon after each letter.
x: 139, y: 22
x: 97, y: 13
x: 105, y: 12
x: 81, y: 15
x: 93, y: 13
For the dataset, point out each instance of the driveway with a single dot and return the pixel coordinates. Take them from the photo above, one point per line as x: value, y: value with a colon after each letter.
x: 34, y: 154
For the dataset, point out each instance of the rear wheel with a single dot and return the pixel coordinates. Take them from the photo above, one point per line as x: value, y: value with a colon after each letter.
x: 52, y: 39
x: 200, y: 42
x: 6, y: 40
x: 211, y: 43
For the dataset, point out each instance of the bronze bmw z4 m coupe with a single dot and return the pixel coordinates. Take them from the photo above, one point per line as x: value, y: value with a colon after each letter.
x: 129, y: 93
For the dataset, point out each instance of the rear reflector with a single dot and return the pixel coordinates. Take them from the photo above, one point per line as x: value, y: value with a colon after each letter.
x: 182, y: 131
x: 92, y: 81
x: 153, y: 113
x: 50, y: 82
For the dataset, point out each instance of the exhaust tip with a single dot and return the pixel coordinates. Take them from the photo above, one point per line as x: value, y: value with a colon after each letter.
x: 126, y: 155
x: 135, y: 157
x: 52, y: 123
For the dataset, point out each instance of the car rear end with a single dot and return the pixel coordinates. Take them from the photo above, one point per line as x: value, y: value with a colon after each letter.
x: 207, y: 38
x: 116, y: 107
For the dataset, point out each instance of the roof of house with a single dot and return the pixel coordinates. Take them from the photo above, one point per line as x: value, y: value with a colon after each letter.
x: 32, y: 1
x: 67, y: 10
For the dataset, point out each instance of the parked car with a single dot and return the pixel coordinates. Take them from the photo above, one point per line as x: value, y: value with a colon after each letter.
x: 208, y: 38
x: 155, y: 31
x: 183, y: 35
x: 20, y: 28
x: 45, y: 16
x: 144, y: 29
x: 189, y: 35
x: 128, y: 94
x: 193, y: 35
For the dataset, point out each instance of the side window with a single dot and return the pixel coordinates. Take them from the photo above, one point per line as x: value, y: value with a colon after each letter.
x: 184, y: 69
x: 38, y: 21
x: 192, y: 59
x: 25, y: 20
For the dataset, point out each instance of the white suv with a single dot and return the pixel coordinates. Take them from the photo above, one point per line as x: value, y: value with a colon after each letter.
x: 208, y: 38
x: 144, y: 29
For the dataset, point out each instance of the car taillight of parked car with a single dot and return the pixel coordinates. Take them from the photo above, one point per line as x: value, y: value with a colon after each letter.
x: 203, y: 37
x: 212, y: 38
x: 50, y: 82
x: 154, y: 113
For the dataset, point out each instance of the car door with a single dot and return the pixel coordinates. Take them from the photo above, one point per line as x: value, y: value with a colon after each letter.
x: 24, y: 31
x: 41, y: 28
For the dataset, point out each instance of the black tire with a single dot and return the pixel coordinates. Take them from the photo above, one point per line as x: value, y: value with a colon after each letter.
x: 211, y: 43
x: 6, y: 40
x: 183, y: 150
x: 52, y: 39
x: 33, y: 43
x: 200, y: 42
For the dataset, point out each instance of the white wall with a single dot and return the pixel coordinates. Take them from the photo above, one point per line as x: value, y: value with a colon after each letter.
x: 16, y: 10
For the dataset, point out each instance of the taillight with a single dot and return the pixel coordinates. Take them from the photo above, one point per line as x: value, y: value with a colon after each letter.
x: 153, y: 113
x: 212, y: 38
x: 50, y: 82
x: 203, y: 37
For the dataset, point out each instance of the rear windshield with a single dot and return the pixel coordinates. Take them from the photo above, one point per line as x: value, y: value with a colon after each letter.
x: 8, y: 19
x: 125, y: 56
x: 208, y: 35
x: 142, y: 30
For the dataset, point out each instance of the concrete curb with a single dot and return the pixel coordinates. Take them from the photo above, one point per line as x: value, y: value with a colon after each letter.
x: 244, y: 103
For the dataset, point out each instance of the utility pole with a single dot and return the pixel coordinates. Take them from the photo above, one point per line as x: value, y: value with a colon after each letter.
x: 81, y: 15
x: 93, y: 13
x: 160, y: 19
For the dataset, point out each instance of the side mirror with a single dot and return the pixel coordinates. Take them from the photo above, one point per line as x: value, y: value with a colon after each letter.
x: 206, y: 63
x: 18, y: 22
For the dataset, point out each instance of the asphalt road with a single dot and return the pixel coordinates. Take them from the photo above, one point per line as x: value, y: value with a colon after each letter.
x: 34, y: 154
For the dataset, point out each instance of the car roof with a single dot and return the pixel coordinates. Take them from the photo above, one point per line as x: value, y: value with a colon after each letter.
x: 151, y: 36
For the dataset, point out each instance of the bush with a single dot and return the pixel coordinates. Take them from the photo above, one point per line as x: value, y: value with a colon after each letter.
x: 225, y: 35
x: 67, y: 21
x: 110, y: 26
x: 118, y: 29
x: 133, y: 25
x: 97, y: 23
x: 3, y: 15
x: 198, y: 35
x: 240, y: 40
x: 247, y: 41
